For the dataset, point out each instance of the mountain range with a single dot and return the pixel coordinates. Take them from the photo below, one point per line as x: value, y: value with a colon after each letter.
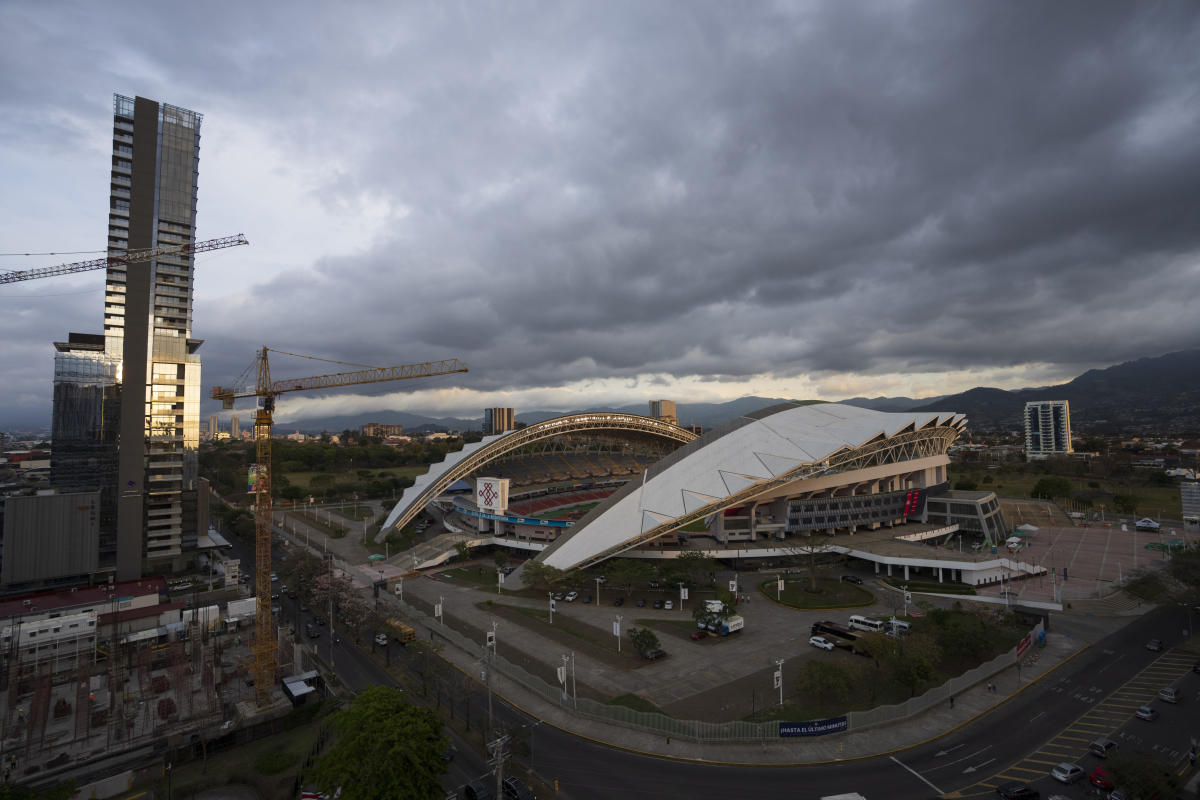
x: 1160, y: 394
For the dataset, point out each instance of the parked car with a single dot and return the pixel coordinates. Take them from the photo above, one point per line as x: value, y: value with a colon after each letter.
x: 1169, y: 694
x: 658, y: 603
x: 821, y: 642
x: 1100, y: 777
x: 304, y: 608
x: 852, y: 579
x: 620, y: 601
x: 572, y: 596
x: 669, y: 605
x: 381, y: 639
x: 1147, y: 713
x: 587, y: 598
x: 653, y: 655
x: 558, y: 595
x: 1066, y: 772
x: 1018, y: 791
x: 1147, y: 524
x: 699, y: 634
x: 641, y: 602
x: 291, y: 594
x: 1155, y: 645
x: 1101, y: 748
x: 515, y: 789
x: 1196, y: 667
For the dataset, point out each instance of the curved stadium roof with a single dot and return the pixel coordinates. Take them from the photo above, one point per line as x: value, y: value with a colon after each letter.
x: 772, y: 447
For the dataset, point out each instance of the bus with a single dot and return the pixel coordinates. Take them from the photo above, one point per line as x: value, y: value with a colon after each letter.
x: 860, y: 623
x: 833, y: 629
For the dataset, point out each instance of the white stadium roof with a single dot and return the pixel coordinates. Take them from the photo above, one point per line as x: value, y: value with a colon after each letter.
x: 752, y: 450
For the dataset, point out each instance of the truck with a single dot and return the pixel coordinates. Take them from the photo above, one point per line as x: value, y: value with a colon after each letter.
x: 724, y: 627
x: 402, y: 632
x: 834, y: 629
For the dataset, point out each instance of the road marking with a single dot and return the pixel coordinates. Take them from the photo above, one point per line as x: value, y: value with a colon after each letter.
x: 919, y: 775
x: 964, y: 758
x: 950, y: 750
x: 1037, y: 716
x: 978, y: 766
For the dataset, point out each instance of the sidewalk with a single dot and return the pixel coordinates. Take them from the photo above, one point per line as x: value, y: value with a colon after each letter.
x: 1068, y: 638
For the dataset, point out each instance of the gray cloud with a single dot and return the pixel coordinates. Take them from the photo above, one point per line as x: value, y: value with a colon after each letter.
x: 559, y: 193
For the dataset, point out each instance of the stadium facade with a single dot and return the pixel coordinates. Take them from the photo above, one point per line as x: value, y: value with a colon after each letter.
x: 782, y: 481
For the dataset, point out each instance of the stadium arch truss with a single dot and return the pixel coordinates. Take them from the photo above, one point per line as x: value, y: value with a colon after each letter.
x: 773, y: 454
x: 474, y: 456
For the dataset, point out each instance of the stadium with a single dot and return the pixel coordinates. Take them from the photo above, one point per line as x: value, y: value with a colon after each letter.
x: 790, y: 479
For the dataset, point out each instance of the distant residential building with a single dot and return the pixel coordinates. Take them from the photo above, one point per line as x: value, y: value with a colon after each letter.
x: 381, y: 430
x: 214, y: 425
x: 664, y: 410
x: 1047, y: 429
x: 1189, y: 495
x: 297, y: 437
x: 696, y: 429
x: 235, y: 427
x: 497, y: 421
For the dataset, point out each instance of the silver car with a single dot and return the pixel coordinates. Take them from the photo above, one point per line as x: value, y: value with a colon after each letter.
x: 1066, y: 772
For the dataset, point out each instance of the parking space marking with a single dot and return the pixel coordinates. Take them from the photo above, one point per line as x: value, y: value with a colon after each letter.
x: 1101, y: 719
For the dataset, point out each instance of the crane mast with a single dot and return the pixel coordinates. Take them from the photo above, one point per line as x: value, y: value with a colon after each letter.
x: 267, y: 390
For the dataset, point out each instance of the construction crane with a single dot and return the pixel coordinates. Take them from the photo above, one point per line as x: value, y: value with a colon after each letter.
x: 131, y: 257
x: 267, y: 390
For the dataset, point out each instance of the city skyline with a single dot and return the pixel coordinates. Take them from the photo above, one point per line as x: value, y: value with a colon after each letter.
x: 611, y: 205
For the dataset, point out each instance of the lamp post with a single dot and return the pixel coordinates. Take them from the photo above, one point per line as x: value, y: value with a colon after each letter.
x: 617, y: 632
x: 597, y: 591
x: 779, y: 678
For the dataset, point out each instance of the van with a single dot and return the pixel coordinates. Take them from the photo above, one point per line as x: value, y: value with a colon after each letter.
x: 865, y: 623
x: 1169, y: 694
x: 1101, y: 748
x: 897, y: 625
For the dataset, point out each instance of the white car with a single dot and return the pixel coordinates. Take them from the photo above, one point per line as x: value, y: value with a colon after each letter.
x: 571, y: 596
x: 669, y: 605
x: 1066, y: 772
x: 381, y: 639
x: 821, y: 642
x: 1147, y: 524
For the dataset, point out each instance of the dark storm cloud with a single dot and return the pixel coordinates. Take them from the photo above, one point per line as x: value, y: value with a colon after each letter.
x: 577, y: 191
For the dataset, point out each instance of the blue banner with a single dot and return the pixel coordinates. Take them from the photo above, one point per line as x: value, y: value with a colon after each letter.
x: 815, y: 727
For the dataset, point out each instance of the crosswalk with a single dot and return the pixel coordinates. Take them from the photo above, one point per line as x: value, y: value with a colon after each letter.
x: 1103, y: 719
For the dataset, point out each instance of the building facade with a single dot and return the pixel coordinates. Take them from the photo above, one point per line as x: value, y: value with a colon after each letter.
x: 498, y: 420
x: 664, y: 410
x: 381, y: 430
x: 214, y: 426
x: 1047, y: 429
x: 128, y: 401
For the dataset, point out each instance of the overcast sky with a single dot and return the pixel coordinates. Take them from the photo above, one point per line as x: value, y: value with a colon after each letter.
x: 608, y: 202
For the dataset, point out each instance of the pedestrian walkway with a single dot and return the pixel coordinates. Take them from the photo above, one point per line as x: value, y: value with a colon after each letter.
x: 1068, y: 639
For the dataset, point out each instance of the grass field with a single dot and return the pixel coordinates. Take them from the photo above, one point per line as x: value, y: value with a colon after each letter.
x: 304, y: 479
x: 825, y: 593
x: 1154, y: 501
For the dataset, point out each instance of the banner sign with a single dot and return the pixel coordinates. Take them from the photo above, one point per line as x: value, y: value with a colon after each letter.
x: 816, y: 727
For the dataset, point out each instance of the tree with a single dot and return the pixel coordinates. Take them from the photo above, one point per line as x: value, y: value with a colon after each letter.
x: 1125, y: 503
x: 541, y: 576
x: 1051, y: 488
x: 823, y: 680
x: 501, y: 559
x: 384, y: 747
x: 695, y: 565
x: 462, y: 550
x: 643, y: 639
x: 1142, y: 774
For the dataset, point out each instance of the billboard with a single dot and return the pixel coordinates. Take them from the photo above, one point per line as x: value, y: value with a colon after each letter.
x: 255, y: 473
x: 491, y: 494
x: 816, y: 727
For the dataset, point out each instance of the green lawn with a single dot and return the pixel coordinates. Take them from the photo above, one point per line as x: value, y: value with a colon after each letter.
x: 819, y: 592
x: 1013, y: 482
x: 304, y: 479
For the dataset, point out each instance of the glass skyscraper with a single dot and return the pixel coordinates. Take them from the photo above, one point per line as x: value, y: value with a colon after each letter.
x: 160, y: 503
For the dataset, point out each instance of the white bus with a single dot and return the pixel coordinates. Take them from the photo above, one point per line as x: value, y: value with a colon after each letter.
x: 865, y: 623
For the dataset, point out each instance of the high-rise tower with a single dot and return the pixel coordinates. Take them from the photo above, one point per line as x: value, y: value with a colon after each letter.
x: 1047, y: 429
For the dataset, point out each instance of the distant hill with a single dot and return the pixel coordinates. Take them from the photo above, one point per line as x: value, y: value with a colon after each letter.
x: 1160, y: 394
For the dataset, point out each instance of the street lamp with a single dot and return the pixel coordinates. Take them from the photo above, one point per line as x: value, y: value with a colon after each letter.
x: 779, y: 678
x: 617, y: 632
x: 597, y: 591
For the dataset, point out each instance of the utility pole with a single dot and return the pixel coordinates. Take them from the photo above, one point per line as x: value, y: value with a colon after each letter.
x: 332, y: 668
x: 779, y: 678
x: 617, y: 632
x: 499, y: 756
